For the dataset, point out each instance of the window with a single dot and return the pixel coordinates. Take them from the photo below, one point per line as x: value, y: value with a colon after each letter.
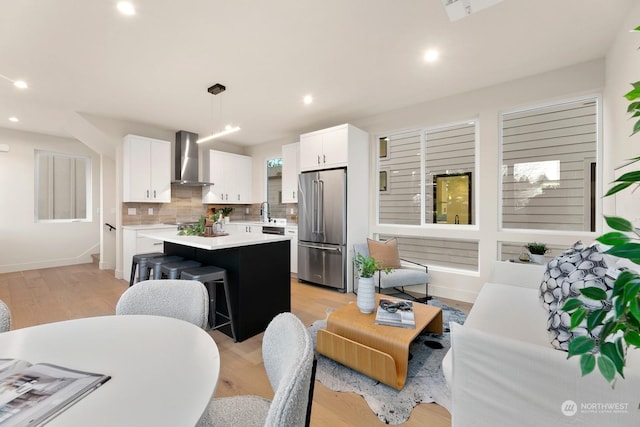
x: 450, y: 253
x: 426, y: 176
x: 549, y: 166
x: 63, y: 187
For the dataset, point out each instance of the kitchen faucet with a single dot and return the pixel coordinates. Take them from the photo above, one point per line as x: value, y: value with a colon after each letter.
x: 264, y: 212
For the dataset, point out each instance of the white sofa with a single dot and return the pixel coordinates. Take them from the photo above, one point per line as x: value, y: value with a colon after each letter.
x: 503, y: 371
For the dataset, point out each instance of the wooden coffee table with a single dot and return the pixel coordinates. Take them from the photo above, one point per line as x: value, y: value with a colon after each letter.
x: 378, y: 351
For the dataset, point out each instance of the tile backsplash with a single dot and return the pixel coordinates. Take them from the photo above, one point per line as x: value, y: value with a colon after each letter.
x: 186, y: 205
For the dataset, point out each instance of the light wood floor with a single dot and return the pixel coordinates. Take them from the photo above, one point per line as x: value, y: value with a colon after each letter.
x: 54, y: 294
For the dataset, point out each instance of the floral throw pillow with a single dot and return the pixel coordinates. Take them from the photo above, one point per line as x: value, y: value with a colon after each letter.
x: 577, y: 268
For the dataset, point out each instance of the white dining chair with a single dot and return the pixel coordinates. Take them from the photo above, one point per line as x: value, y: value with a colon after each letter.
x: 287, y: 351
x: 5, y: 317
x: 181, y: 299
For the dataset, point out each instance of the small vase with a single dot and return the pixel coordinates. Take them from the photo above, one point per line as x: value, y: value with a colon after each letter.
x: 366, y: 300
x: 537, y: 259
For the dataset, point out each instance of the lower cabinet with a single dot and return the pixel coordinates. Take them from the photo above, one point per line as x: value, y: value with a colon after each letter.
x: 293, y: 233
x: 133, y: 244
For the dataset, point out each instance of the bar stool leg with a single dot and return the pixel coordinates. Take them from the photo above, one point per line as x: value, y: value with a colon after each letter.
x: 134, y: 265
x: 228, y: 299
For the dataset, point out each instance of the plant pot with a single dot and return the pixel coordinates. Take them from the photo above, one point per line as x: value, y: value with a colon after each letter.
x: 227, y: 219
x: 366, y: 300
x: 537, y: 259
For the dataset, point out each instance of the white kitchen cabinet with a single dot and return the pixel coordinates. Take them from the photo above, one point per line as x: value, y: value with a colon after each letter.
x: 231, y: 175
x: 242, y: 227
x: 133, y: 244
x: 326, y: 148
x: 292, y: 231
x: 146, y: 170
x: 290, y: 172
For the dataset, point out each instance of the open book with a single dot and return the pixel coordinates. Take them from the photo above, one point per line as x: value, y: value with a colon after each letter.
x: 396, y: 313
x: 30, y: 395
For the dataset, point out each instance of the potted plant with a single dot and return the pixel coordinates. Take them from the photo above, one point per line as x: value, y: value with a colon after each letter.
x: 366, y: 267
x: 537, y: 251
x: 226, y: 212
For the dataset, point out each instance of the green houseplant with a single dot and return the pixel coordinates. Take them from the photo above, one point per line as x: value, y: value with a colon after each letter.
x: 537, y: 248
x: 226, y: 211
x: 366, y: 267
x: 620, y: 325
x: 537, y: 251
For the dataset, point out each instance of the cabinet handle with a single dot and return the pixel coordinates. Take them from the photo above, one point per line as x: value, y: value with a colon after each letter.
x: 294, y: 194
x: 158, y: 244
x: 318, y: 158
x: 147, y: 194
x: 324, y: 158
x: 221, y: 196
x: 154, y: 194
x: 226, y: 196
x: 238, y: 197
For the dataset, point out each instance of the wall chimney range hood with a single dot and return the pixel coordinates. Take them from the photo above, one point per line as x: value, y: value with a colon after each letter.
x: 185, y: 160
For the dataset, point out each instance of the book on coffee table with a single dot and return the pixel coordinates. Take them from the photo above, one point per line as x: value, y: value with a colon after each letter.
x: 396, y: 313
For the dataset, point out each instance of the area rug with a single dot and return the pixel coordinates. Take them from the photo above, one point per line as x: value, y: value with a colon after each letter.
x: 425, y: 381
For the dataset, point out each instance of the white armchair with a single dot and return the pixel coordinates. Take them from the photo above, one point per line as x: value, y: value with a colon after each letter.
x: 408, y: 274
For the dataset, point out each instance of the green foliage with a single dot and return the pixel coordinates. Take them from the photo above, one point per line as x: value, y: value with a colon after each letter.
x: 193, y: 230
x: 367, y: 266
x: 226, y: 211
x: 537, y: 248
x: 618, y: 321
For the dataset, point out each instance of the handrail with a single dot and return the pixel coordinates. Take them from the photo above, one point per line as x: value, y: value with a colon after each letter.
x: 111, y: 227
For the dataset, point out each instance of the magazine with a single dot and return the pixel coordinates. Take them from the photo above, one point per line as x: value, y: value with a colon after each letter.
x: 396, y: 313
x: 30, y: 395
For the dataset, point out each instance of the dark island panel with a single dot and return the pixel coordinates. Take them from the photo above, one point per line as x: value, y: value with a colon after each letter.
x: 259, y: 279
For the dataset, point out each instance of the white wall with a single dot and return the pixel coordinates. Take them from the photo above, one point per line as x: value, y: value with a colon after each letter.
x: 485, y: 105
x: 623, y: 68
x: 25, y: 244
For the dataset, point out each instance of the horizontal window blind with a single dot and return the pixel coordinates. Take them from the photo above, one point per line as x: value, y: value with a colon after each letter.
x: 547, y: 155
x: 459, y: 254
x: 400, y: 203
x: 450, y: 150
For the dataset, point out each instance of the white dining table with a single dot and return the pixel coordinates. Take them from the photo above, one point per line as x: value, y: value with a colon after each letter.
x: 163, y: 371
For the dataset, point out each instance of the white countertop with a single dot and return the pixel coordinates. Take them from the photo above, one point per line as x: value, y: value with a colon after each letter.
x: 212, y: 243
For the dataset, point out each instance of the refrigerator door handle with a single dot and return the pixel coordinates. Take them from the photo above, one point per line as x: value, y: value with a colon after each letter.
x: 314, y: 206
x: 322, y: 248
x: 321, y: 206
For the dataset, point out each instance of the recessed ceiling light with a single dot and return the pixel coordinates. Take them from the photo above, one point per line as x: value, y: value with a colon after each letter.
x: 20, y: 84
x: 14, y: 119
x: 308, y: 99
x: 126, y: 8
x: 431, y: 55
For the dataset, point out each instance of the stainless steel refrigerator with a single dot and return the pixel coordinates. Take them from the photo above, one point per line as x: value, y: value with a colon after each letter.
x: 322, y: 227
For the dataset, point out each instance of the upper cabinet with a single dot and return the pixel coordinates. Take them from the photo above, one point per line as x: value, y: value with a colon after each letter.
x: 325, y: 149
x: 231, y: 175
x: 290, y: 171
x: 146, y: 170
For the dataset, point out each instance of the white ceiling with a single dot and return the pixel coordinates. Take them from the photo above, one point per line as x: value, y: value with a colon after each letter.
x: 357, y: 57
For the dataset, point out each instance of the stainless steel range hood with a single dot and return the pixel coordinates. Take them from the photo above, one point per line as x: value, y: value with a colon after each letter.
x: 185, y: 160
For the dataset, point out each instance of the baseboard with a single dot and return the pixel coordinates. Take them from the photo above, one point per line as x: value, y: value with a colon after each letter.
x: 106, y: 266
x: 11, y: 268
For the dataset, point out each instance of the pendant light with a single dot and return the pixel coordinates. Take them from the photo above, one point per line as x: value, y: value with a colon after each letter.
x: 228, y: 129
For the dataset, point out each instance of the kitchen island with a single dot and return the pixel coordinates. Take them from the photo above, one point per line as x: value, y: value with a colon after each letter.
x: 257, y: 270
